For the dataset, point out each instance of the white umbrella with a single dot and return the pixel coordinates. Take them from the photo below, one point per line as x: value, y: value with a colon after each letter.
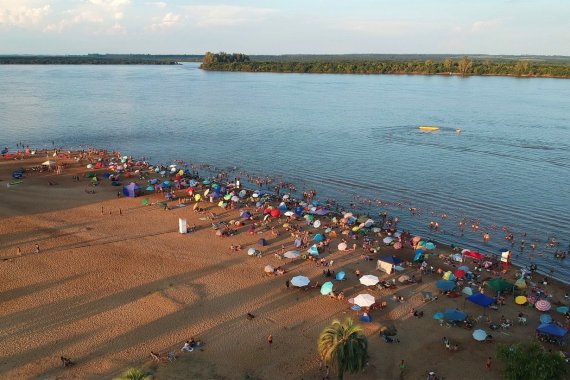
x: 404, y: 278
x: 289, y: 213
x: 397, y: 234
x: 300, y: 281
x: 342, y: 247
x: 388, y: 240
x: 368, y: 223
x: 252, y: 251
x: 364, y: 300
x: 269, y: 269
x: 292, y: 254
x: 286, y: 196
x: 479, y: 335
x: 376, y: 229
x: 369, y: 280
x: 317, y: 224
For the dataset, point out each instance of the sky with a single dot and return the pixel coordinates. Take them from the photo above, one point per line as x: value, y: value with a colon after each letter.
x: 516, y: 27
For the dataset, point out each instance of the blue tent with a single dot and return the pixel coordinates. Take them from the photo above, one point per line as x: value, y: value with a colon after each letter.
x: 481, y: 299
x: 131, y: 190
x: 551, y: 329
x: 445, y: 285
x: 314, y: 251
x: 318, y: 238
x: 454, y: 315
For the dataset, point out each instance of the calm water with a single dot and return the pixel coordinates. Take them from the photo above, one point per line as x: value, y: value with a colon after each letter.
x: 343, y: 135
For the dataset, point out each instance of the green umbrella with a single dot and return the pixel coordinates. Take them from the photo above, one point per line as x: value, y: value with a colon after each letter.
x: 326, y: 288
x: 145, y: 201
x: 500, y: 285
x: 227, y: 197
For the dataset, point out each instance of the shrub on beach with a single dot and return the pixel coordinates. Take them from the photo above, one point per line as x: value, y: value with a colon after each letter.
x: 134, y: 374
x: 530, y: 361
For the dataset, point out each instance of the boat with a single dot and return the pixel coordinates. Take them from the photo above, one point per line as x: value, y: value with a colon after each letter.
x: 428, y: 128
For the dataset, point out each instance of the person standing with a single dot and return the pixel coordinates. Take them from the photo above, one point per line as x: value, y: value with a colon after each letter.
x: 287, y: 284
x: 37, y: 248
x: 488, y: 363
x: 18, y: 251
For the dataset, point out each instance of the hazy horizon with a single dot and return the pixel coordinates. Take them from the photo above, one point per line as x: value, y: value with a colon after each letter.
x: 271, y: 27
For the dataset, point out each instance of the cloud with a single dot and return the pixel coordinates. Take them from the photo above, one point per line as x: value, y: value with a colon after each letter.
x: 14, y: 14
x: 107, y: 14
x: 158, y: 4
x: 169, y: 20
x: 224, y: 15
x: 483, y: 26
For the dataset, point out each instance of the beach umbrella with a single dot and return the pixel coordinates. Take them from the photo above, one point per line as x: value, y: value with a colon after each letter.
x: 269, y: 269
x: 205, y: 182
x: 562, y: 309
x: 545, y: 318
x: 369, y: 223
x: 521, y: 283
x: 422, y: 243
x: 285, y: 197
x: 292, y: 254
x: 397, y: 234
x: 145, y: 201
x: 90, y: 166
x: 376, y: 229
x: 531, y: 299
x: 348, y: 215
x: 340, y: 276
x: 219, y: 233
x: 275, y: 213
x: 445, y: 285
x: 403, y: 278
x: 255, y: 195
x: 397, y: 245
x: 282, y: 206
x: 479, y: 335
x: 448, y: 276
x: 369, y: 280
x: 235, y: 198
x: 438, y: 315
x: 227, y: 197
x: 242, y: 193
x: 454, y: 315
x: 246, y: 215
x: 197, y: 197
x: 364, y: 300
x: 467, y: 290
x: 317, y: 224
x: 313, y: 250
x: 388, y: 240
x: 286, y: 225
x: 430, y: 246
x: 464, y: 268
x: 458, y: 273
x: 300, y: 281
x: 318, y: 238
x: 252, y: 251
x: 520, y: 300
x: 500, y: 285
x: 342, y: 247
x: 542, y: 305
x: 327, y: 288
x: 289, y: 213
x: 149, y: 188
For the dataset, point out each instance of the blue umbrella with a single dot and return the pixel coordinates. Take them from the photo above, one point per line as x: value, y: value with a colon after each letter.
x: 454, y: 315
x: 445, y: 285
x: 430, y: 245
x: 153, y: 181
x: 150, y: 188
x: 246, y: 215
x: 340, y: 276
x: 166, y: 183
x: 313, y: 250
x: 438, y: 316
x: 326, y: 288
x: 318, y: 238
x: 206, y: 182
x: 545, y: 318
x: 562, y: 309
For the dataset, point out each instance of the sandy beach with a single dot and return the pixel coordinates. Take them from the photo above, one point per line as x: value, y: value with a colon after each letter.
x: 114, y: 280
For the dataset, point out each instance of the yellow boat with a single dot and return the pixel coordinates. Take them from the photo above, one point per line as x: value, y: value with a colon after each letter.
x: 428, y: 128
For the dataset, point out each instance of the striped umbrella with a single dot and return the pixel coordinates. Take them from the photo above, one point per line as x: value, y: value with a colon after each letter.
x: 542, y: 305
x: 531, y: 299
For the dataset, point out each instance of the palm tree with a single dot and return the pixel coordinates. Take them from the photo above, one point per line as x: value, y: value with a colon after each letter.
x: 343, y: 346
x: 134, y: 374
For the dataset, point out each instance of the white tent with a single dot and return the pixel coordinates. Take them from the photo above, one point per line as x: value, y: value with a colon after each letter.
x: 48, y: 163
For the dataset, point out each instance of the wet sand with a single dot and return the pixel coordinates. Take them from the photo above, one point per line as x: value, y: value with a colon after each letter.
x: 106, y: 289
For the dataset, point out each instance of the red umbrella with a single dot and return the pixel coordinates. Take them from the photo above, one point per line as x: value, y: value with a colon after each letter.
x: 275, y: 213
x: 459, y: 273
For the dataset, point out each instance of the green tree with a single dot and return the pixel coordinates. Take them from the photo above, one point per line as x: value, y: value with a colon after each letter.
x: 465, y: 66
x: 343, y: 346
x: 429, y: 66
x: 531, y: 362
x: 447, y: 64
x: 522, y: 68
x: 134, y: 374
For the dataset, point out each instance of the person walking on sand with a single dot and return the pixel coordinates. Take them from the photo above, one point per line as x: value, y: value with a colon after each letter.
x: 488, y: 363
x: 37, y: 250
x: 18, y: 251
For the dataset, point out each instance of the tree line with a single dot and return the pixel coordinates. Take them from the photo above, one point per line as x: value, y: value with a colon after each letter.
x: 447, y: 66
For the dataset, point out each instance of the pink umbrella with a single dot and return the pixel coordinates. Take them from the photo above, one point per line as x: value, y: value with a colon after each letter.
x: 397, y: 245
x: 542, y: 305
x: 531, y: 299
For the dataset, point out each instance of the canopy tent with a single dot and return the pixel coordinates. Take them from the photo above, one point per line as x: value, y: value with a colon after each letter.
x: 552, y: 329
x: 388, y: 263
x: 445, y: 285
x: 474, y: 255
x: 131, y: 190
x: 481, y: 299
x: 48, y: 163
